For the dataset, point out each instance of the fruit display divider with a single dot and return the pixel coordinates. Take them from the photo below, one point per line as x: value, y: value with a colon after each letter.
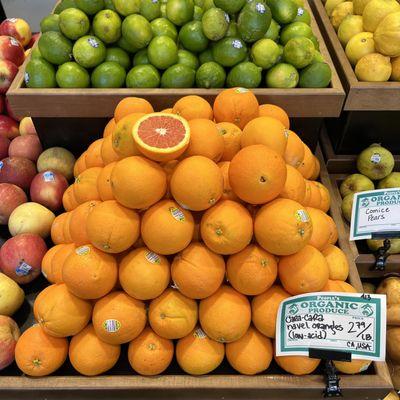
x: 123, y: 383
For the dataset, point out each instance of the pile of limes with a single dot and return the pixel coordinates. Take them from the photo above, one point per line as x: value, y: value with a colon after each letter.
x: 177, y: 44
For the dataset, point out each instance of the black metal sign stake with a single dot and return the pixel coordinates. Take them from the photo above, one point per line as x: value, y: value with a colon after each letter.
x: 382, y: 255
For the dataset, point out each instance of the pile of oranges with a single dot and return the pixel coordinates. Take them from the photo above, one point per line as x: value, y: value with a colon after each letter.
x: 190, y: 256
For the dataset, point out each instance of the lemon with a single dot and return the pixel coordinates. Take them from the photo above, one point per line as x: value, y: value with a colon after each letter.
x: 376, y: 10
x: 373, y: 67
x: 359, y: 46
x: 350, y: 26
x: 340, y: 12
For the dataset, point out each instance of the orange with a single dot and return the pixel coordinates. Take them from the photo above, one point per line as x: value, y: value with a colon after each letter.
x: 112, y: 228
x: 89, y: 273
x: 267, y: 131
x: 169, y: 168
x: 236, y: 105
x: 122, y: 138
x: 172, y: 315
x: 226, y: 228
x: 167, y: 111
x: 205, y: 140
x: 320, y: 237
x: 167, y: 228
x: 317, y: 169
x: 227, y: 193
x: 252, y: 271
x: 131, y: 105
x: 325, y: 203
x: 197, y: 183
x: 225, y: 316
x: 306, y: 167
x: 283, y: 227
x: 264, y: 309
x: 91, y: 356
x: 57, y: 229
x: 251, y: 354
x: 66, y: 231
x: 104, y: 182
x: 337, y: 263
x: 192, y: 107
x: 257, y: 174
x: 85, y: 186
x: 197, y: 272
x: 297, y: 365
x: 295, y: 185
x: 143, y: 274
x: 108, y: 130
x: 60, y: 313
x: 352, y: 367
x: 273, y: 111
x: 333, y: 237
x: 304, y: 272
x: 338, y: 286
x: 314, y: 195
x: 295, y: 150
x: 58, y: 260
x: 197, y: 354
x: 150, y: 354
x: 93, y: 154
x: 108, y: 154
x: 161, y: 137
x: 46, y: 263
x: 118, y: 318
x: 69, y: 200
x: 150, y: 182
x: 80, y: 164
x: 38, y: 354
x: 77, y: 223
x: 231, y: 135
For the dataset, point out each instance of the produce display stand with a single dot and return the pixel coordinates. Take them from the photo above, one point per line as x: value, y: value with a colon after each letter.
x: 371, y: 110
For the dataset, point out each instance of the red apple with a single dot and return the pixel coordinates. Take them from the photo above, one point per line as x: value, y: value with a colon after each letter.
x: 11, y: 197
x: 10, y: 112
x: 18, y: 171
x: 35, y: 38
x: 4, y: 145
x: 9, y: 335
x: 2, y: 104
x: 18, y: 29
x: 8, y: 127
x: 11, y: 50
x: 8, y: 70
x: 28, y: 146
x: 26, y: 127
x: 21, y: 257
x: 47, y: 188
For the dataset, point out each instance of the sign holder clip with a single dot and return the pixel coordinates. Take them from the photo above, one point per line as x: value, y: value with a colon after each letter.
x: 382, y: 255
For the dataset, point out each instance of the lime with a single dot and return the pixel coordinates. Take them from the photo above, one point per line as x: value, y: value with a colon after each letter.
x: 55, y: 47
x: 282, y: 76
x: 74, y: 23
x: 163, y: 9
x: 280, y: 59
x: 283, y: 11
x: 63, y: 5
x: 72, y: 75
x: 143, y: 76
x: 215, y: 23
x: 208, y: 4
x: 141, y: 58
x: 299, y: 52
x: 36, y: 53
x: 316, y: 75
x: 187, y: 58
x: 178, y: 76
x: 273, y: 31
x: 232, y: 30
x: 192, y: 38
x: 127, y: 7
x: 245, y: 74
x: 123, y: 43
x: 317, y: 57
x: 198, y: 13
x: 50, y: 23
x: 303, y: 16
x: 229, y: 51
x: 180, y: 11
x: 315, y: 41
x: 210, y: 75
x: 253, y: 21
x: 150, y: 9
x: 90, y: 7
x: 300, y: 3
x: 295, y: 29
x: 206, y: 56
x: 265, y: 53
x: 163, y: 27
x: 162, y: 52
x: 230, y: 6
x: 118, y: 55
x: 109, y: 5
x: 40, y: 74
x: 89, y: 51
x: 108, y: 75
x: 107, y: 26
x: 199, y: 3
x: 136, y: 30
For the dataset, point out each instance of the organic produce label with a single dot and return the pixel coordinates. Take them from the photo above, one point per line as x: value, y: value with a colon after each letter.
x: 23, y: 269
x: 375, y: 212
x: 198, y: 333
x: 82, y: 251
x: 332, y: 321
x: 376, y: 158
x: 27, y: 78
x: 111, y: 325
x: 152, y: 258
x: 302, y: 215
x: 1, y: 165
x: 177, y: 214
x: 48, y: 176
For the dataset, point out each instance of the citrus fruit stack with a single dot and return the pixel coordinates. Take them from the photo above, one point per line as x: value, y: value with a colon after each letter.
x: 208, y: 217
x: 177, y: 44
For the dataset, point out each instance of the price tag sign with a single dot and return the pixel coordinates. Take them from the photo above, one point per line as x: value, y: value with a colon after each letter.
x: 375, y: 211
x: 332, y: 321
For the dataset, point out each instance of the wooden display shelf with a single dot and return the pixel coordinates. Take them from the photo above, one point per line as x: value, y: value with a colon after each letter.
x: 361, y: 96
x: 94, y: 103
x: 122, y: 383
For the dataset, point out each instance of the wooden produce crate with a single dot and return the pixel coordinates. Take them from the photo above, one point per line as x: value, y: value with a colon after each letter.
x: 122, y: 382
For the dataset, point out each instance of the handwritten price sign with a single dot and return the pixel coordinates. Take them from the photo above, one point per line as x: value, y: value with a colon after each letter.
x: 332, y: 321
